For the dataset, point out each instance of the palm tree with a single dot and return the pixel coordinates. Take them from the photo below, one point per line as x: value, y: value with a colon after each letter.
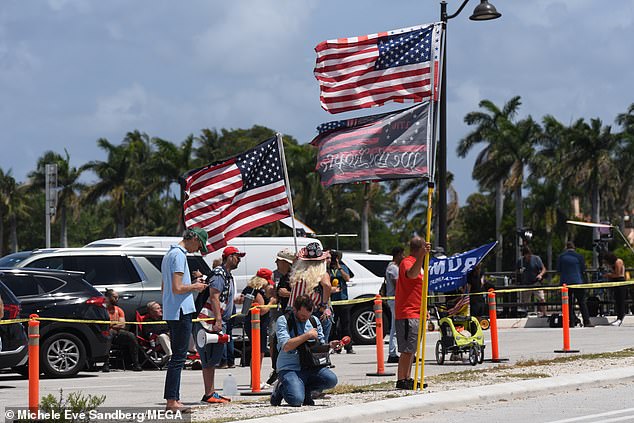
x: 17, y: 208
x: 168, y: 164
x: 414, y: 206
x: 69, y: 186
x: 503, y: 157
x: 589, y: 162
x: 625, y: 166
x: 124, y: 178
x: 6, y: 184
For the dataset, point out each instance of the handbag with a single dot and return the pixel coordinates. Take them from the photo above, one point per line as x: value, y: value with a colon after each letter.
x: 312, y: 355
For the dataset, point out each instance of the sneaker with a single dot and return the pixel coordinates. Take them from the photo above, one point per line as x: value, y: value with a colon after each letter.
x: 405, y: 384
x: 214, y: 398
x: 105, y: 368
x: 617, y: 322
x: 231, y: 365
x: 392, y: 359
x: 137, y: 368
x: 276, y: 395
x: 223, y: 365
x: 265, y: 386
x: 588, y: 325
x: 197, y: 365
x: 308, y: 401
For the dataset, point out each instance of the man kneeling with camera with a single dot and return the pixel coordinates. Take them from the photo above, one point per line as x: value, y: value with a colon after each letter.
x: 303, y: 360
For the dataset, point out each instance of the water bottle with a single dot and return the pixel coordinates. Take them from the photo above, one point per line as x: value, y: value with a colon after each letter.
x: 229, y: 386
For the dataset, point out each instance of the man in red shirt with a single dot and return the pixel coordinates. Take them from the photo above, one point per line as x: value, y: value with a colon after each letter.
x: 407, y: 305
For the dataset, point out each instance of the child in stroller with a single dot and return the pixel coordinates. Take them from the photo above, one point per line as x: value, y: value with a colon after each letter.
x: 460, y: 333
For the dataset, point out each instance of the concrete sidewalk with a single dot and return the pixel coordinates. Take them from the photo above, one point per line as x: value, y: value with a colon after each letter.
x: 405, y: 406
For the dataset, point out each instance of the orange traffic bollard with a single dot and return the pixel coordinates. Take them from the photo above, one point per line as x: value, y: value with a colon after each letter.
x: 493, y: 328
x: 565, y: 321
x: 378, y: 314
x: 255, y: 350
x: 34, y: 363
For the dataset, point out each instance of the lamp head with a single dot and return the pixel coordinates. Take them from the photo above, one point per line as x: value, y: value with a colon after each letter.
x: 485, y: 11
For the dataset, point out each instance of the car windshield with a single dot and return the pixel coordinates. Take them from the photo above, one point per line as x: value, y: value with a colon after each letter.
x: 12, y: 260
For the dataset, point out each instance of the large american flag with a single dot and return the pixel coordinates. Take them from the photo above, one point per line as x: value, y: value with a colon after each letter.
x: 370, y: 70
x: 231, y: 197
x: 391, y: 145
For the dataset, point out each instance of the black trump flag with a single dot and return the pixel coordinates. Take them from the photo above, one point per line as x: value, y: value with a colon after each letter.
x: 393, y: 145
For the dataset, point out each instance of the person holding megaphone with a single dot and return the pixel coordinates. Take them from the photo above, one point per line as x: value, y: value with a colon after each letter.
x: 218, y: 306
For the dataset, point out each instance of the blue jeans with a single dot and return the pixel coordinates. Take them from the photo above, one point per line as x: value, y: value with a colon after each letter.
x: 228, y: 356
x: 297, y: 385
x: 180, y: 331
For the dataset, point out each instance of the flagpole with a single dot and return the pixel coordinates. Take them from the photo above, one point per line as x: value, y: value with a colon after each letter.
x: 422, y: 322
x: 280, y: 145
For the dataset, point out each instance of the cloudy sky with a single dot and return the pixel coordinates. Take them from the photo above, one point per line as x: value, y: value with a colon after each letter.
x: 73, y: 71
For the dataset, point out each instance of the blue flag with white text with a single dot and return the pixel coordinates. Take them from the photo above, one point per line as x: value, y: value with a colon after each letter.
x: 450, y: 273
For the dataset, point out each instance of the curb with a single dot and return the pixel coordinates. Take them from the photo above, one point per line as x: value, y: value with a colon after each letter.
x: 420, y: 403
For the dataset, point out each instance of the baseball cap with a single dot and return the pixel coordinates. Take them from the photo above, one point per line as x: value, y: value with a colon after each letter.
x: 286, y: 255
x: 267, y: 274
x: 201, y: 234
x: 232, y: 250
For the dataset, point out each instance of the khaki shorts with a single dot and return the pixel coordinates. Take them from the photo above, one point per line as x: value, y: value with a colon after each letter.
x: 525, y: 296
x: 407, y: 335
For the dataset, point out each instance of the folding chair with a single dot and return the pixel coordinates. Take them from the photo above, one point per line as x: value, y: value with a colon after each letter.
x: 150, y: 349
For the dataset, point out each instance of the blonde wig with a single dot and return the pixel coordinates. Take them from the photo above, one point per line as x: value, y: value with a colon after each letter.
x: 310, y: 271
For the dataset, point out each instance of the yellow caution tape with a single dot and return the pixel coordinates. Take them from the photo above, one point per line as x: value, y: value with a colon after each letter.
x: 339, y: 302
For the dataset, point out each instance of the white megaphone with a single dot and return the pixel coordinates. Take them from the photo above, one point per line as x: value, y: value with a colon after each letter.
x: 203, y: 338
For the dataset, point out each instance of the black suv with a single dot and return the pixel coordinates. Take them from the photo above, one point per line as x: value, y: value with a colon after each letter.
x: 13, y: 347
x: 65, y: 347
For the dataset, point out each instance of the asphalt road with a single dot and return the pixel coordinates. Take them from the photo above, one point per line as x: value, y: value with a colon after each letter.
x: 123, y: 389
x: 606, y: 403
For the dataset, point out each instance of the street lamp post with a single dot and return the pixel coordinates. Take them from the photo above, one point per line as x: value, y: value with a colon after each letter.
x: 483, y: 12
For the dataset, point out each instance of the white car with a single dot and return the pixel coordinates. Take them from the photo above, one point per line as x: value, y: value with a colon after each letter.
x: 369, y: 272
x: 261, y: 251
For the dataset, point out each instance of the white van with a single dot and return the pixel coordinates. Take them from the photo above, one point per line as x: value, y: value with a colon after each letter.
x: 261, y: 251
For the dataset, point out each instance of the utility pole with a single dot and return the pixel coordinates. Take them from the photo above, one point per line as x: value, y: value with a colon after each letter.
x: 51, y: 198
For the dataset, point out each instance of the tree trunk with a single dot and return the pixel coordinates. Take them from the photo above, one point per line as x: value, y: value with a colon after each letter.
x: 365, y: 233
x: 14, y: 233
x: 1, y: 234
x: 120, y: 223
x: 549, y: 251
x: 499, y: 210
x: 519, y: 218
x: 63, y: 228
x: 596, y: 215
x: 181, y: 220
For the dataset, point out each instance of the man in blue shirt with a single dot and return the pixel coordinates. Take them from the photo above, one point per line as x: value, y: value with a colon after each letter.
x: 295, y: 384
x: 178, y: 307
x: 572, y: 269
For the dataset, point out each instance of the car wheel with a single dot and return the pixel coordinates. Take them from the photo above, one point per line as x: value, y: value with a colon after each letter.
x: 62, y: 355
x: 364, y: 326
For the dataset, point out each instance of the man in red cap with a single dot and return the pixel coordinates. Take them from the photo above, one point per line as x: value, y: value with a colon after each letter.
x: 220, y: 306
